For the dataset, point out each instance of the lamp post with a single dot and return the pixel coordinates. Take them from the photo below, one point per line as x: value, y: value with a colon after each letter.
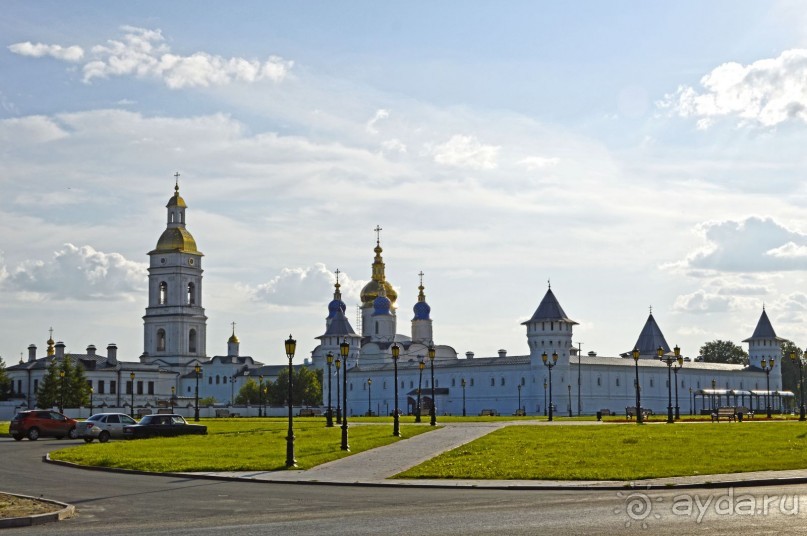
x: 680, y: 361
x: 801, y: 382
x: 550, y: 364
x: 669, y: 360
x: 432, y: 353
x: 291, y: 345
x: 232, y: 389
x: 691, y: 402
x: 462, y: 382
x: 329, y: 415
x: 198, y: 371
x: 131, y: 408
x: 369, y: 397
x: 260, y: 395
x: 638, y: 389
x: 545, y: 409
x: 421, y: 366
x: 344, y: 351
x: 61, y: 391
x: 569, y: 387
x: 519, y: 399
x: 714, y: 388
x: 92, y: 392
x: 767, y: 367
x: 396, y: 427
x: 173, y: 395
x: 338, y: 364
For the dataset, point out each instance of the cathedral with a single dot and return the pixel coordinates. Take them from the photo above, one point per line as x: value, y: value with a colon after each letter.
x: 551, y: 374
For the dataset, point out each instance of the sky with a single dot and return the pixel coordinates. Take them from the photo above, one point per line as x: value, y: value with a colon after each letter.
x: 635, y: 155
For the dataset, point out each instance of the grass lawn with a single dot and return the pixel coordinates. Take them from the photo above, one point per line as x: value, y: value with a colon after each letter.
x: 622, y: 452
x: 235, y: 445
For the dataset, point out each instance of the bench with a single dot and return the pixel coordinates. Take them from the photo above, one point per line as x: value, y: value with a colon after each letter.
x: 747, y: 413
x: 222, y: 413
x: 606, y: 412
x: 488, y: 413
x: 309, y: 412
x: 729, y: 413
x: 520, y: 412
x: 630, y: 412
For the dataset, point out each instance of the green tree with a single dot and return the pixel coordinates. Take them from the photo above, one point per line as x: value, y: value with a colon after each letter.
x: 207, y: 401
x: 306, y: 387
x: 5, y: 381
x: 47, y: 394
x: 248, y: 394
x: 76, y: 388
x: 719, y: 351
x: 790, y: 368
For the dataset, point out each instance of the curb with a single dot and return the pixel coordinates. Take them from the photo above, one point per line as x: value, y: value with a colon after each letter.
x: 67, y: 511
x: 449, y: 484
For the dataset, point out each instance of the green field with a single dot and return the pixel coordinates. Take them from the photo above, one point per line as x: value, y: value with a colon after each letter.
x: 235, y: 445
x: 622, y: 452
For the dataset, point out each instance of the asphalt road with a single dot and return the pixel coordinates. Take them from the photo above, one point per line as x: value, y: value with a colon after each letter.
x: 120, y: 504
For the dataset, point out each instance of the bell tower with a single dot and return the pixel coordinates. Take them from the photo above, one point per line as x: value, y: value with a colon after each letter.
x: 175, y: 325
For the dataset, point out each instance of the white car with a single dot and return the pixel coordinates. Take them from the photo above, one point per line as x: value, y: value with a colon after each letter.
x: 103, y: 426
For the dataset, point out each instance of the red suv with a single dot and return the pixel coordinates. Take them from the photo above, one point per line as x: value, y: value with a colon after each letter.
x: 42, y: 423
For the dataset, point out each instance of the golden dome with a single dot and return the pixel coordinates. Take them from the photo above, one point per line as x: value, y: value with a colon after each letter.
x: 176, y: 239
x: 176, y: 200
x: 371, y: 290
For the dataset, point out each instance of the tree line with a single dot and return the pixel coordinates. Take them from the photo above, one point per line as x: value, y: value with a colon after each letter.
x: 306, y: 389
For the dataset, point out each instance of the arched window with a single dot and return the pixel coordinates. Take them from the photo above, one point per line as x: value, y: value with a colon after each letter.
x: 617, y: 382
x: 161, y: 340
x: 493, y: 382
x: 163, y: 298
x: 599, y: 382
x: 224, y: 380
x: 472, y: 382
x: 376, y: 327
x: 210, y: 380
x: 502, y: 382
x: 192, y: 340
x: 218, y: 379
x: 523, y: 381
x: 191, y: 294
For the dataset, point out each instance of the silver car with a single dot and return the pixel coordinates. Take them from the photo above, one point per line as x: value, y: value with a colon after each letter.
x: 103, y: 426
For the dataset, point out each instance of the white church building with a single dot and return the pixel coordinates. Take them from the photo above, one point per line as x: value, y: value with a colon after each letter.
x: 175, y: 343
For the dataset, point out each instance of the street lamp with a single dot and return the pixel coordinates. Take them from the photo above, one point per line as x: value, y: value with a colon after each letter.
x: 550, y: 364
x: 92, y: 391
x: 638, y: 395
x: 669, y: 360
x: 462, y: 382
x: 396, y: 427
x: 198, y: 371
x: 767, y: 369
x: 338, y: 364
x: 132, y: 377
x: 291, y: 345
x: 545, y: 409
x: 519, y: 398
x: 61, y: 391
x: 676, y: 368
x: 173, y: 395
x: 714, y: 388
x: 344, y: 351
x: 369, y: 397
x: 432, y: 353
x: 329, y: 415
x: 691, y: 402
x: 801, y: 382
x: 260, y: 395
x: 421, y: 366
x: 569, y: 387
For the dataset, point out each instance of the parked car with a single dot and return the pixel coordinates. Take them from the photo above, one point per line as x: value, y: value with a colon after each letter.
x: 34, y: 424
x: 103, y: 426
x: 162, y: 426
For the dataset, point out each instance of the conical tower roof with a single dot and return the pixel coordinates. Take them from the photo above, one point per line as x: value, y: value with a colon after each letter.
x: 650, y: 339
x: 764, y: 329
x: 339, y: 326
x: 549, y: 310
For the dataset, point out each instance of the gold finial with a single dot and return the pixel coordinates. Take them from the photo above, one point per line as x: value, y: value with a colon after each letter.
x: 378, y: 230
x: 51, y: 350
x: 421, y: 296
x: 176, y: 185
x: 337, y: 294
x: 233, y: 337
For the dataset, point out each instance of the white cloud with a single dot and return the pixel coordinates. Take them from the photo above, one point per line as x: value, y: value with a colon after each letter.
x: 379, y: 115
x: 767, y: 92
x: 532, y: 163
x: 393, y: 146
x: 305, y: 286
x: 467, y: 152
x: 38, y: 50
x: 142, y: 53
x: 77, y: 273
x: 789, y: 250
x: 31, y: 129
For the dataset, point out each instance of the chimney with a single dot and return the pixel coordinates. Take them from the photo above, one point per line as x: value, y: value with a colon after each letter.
x: 112, y: 355
x: 60, y: 350
x: 502, y: 353
x: 469, y: 355
x: 91, y: 350
x: 32, y: 353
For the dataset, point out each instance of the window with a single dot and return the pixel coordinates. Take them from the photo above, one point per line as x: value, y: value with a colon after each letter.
x: 101, y: 387
x: 128, y: 387
x: 151, y: 388
x: 385, y: 385
x: 191, y: 294
x: 140, y: 387
x: 89, y: 384
x: 192, y: 341
x: 411, y: 384
x: 210, y: 380
x: 617, y: 382
x: 472, y: 382
x: 36, y: 385
x: 224, y: 379
x: 113, y: 387
x: 453, y: 382
x: 218, y: 379
x: 161, y: 340
x: 163, y: 297
x: 523, y: 381
x: 599, y: 382
x: 651, y: 382
x: 492, y: 382
x: 402, y: 384
x: 189, y: 388
x: 502, y: 382
x: 376, y: 327
x: 351, y: 386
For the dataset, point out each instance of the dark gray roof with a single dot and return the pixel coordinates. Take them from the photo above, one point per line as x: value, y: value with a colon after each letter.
x: 514, y: 360
x: 651, y: 338
x: 764, y: 329
x: 339, y: 326
x: 549, y: 309
x: 89, y: 362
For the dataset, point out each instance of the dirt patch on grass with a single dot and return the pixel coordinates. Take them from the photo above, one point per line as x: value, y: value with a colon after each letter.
x: 12, y: 506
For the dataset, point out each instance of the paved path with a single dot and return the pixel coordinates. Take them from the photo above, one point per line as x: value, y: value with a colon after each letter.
x: 377, y: 466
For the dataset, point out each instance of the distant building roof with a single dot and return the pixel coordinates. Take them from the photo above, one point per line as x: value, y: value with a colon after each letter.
x: 549, y: 310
